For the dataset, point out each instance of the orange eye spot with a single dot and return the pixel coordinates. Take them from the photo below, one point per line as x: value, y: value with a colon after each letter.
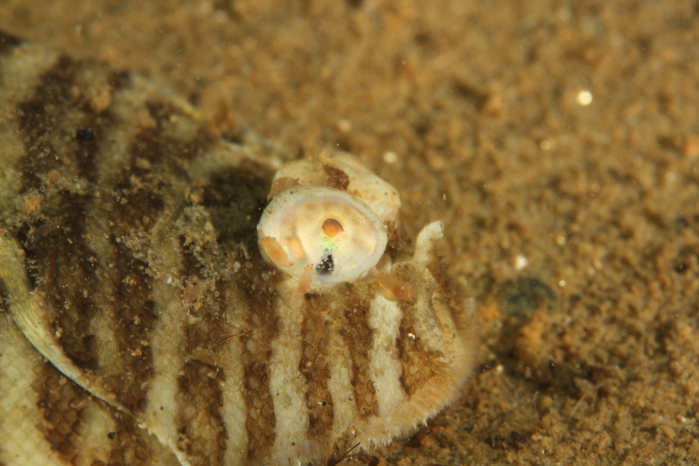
x: 332, y: 227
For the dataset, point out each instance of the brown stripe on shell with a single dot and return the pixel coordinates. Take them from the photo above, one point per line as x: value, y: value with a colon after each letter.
x: 40, y: 117
x: 202, y: 433
x: 419, y: 363
x: 128, y: 445
x: 88, y: 138
x: 262, y: 327
x: 135, y: 317
x: 200, y: 426
x: 314, y: 366
x: 68, y: 280
x: 8, y: 42
x: 336, y: 178
x: 62, y: 404
x: 358, y: 336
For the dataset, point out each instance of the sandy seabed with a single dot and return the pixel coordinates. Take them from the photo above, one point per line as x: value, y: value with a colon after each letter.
x: 559, y: 143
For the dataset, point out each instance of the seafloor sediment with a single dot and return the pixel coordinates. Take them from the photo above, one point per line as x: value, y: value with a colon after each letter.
x: 558, y: 142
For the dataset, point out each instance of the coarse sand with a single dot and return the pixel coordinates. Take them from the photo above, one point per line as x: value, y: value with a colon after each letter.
x: 559, y: 143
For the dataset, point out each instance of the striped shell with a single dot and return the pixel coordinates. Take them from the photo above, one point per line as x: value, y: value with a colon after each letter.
x: 129, y: 261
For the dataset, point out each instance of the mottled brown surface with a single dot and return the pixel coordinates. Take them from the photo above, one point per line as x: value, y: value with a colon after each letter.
x: 202, y: 431
x: 262, y: 326
x: 336, y: 178
x: 418, y: 363
x: 315, y: 367
x: 358, y: 336
x: 130, y: 446
x: 478, y: 102
x: 61, y: 402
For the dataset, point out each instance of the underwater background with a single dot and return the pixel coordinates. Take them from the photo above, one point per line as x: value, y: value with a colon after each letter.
x: 559, y: 143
